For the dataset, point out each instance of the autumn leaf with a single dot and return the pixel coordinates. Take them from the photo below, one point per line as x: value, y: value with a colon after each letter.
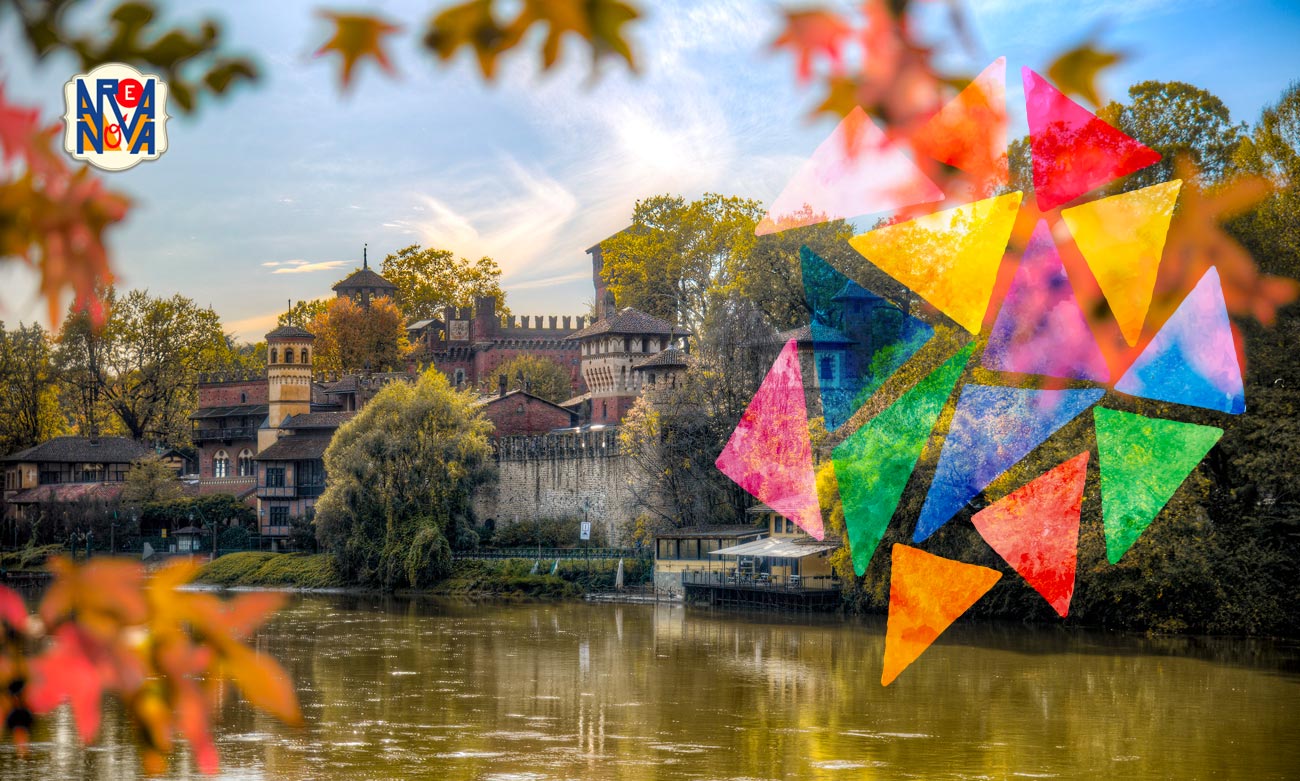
x: 357, y: 36
x: 67, y: 672
x: 1075, y: 72
x: 12, y: 610
x: 812, y: 33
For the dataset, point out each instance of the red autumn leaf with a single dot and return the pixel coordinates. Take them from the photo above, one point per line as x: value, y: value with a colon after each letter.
x: 356, y: 37
x: 68, y: 671
x: 12, y: 610
x: 811, y: 34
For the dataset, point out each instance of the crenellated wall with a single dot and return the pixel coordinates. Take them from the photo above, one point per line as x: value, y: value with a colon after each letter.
x: 556, y: 476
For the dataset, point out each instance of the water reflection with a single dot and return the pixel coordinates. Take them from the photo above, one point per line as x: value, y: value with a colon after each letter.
x: 428, y: 689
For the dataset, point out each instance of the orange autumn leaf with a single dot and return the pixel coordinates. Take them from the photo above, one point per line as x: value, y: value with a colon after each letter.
x: 356, y: 37
x: 1075, y: 72
x: 71, y: 671
x: 811, y: 33
x: 263, y: 683
x: 102, y: 594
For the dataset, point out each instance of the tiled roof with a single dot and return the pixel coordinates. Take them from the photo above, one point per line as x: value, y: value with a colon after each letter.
x: 70, y: 450
x: 628, y: 321
x: 296, y: 447
x: 673, y: 356
x: 732, y: 530
x: 317, y: 420
x: 486, y: 400
x: 290, y: 332
x: 68, y: 492
x: 361, y: 278
x: 238, y: 411
x: 576, y: 400
x: 853, y: 291
x: 822, y: 335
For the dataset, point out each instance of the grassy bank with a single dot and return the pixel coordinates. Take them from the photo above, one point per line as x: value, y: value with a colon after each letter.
x: 496, y: 577
x: 258, y: 568
x: 29, y: 559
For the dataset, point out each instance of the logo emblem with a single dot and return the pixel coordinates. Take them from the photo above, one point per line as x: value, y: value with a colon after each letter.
x: 115, y: 117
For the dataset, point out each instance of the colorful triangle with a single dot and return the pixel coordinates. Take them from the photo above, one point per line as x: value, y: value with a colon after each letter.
x: 1035, y: 529
x: 1122, y: 238
x: 1143, y: 461
x: 873, y: 465
x: 856, y: 171
x: 1074, y: 151
x: 859, y: 338
x: 1193, y: 358
x: 992, y: 429
x: 949, y: 258
x: 926, y: 594
x: 769, y: 454
x: 1040, y: 328
x: 970, y: 131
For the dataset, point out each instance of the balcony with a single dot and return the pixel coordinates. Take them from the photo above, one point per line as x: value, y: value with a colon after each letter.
x: 290, y: 491
x: 223, y: 434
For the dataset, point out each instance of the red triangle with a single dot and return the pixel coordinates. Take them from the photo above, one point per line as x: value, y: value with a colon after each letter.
x: 1074, y: 151
x: 769, y: 453
x: 1036, y: 530
x: 970, y: 132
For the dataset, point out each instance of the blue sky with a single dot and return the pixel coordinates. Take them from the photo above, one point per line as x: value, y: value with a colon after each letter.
x: 268, y: 195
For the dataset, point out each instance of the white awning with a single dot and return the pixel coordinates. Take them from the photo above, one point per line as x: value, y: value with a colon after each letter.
x: 777, y: 548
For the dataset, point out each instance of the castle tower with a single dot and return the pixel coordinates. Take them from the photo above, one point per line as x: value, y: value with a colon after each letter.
x: 288, y: 376
x: 364, y: 285
x: 611, y: 347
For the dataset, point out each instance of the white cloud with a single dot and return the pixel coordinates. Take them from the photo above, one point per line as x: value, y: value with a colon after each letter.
x: 304, y: 267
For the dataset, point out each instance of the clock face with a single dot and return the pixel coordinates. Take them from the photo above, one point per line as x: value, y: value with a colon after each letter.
x: 459, y: 330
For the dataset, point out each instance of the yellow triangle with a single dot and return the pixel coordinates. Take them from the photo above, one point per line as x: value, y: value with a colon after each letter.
x: 1122, y: 238
x: 949, y: 258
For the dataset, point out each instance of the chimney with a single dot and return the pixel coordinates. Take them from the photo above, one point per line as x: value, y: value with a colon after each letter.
x: 501, y: 385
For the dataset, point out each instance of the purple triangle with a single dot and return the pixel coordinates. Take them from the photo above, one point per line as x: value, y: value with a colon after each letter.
x: 1041, y: 329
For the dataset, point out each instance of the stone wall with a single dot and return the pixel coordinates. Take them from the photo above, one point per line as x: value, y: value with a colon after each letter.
x: 555, y: 476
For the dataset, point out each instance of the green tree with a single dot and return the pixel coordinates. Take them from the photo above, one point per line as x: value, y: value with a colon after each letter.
x: 401, y: 474
x: 678, y: 256
x: 351, y: 338
x: 540, y: 375
x: 429, y: 279
x: 1177, y: 120
x: 29, y: 408
x: 150, y: 480
x: 141, y: 365
x: 303, y: 312
x: 772, y: 276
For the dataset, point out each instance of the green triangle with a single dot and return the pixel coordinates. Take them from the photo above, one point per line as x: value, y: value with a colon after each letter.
x: 1143, y: 461
x: 874, y: 464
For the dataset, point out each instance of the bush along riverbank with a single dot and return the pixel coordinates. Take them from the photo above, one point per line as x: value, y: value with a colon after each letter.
x: 475, y: 577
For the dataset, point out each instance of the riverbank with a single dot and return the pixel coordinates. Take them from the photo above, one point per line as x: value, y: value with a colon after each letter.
x: 478, y: 577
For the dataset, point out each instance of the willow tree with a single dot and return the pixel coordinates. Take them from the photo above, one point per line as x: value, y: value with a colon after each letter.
x: 400, y: 477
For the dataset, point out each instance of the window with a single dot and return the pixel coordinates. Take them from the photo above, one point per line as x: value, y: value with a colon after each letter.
x: 826, y: 368
x: 275, y: 477
x: 604, y: 410
x: 707, y: 547
x: 288, y: 355
x: 652, y: 379
x: 279, y: 515
x: 667, y: 549
x: 273, y: 354
x: 690, y: 549
x: 460, y: 377
x: 221, y: 464
x: 88, y: 473
x: 305, y: 357
x: 789, y: 526
x: 243, y: 398
x: 246, y: 465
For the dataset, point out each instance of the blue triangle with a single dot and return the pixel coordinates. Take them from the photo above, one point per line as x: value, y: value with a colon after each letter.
x: 859, y: 338
x: 992, y: 429
x: 1192, y: 359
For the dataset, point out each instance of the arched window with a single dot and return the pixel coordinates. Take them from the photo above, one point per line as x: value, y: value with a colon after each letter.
x: 221, y: 464
x: 246, y: 467
x: 288, y: 355
x: 243, y: 398
x: 273, y: 354
x: 305, y: 357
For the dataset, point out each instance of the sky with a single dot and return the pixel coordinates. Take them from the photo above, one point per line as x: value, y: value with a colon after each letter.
x: 269, y: 194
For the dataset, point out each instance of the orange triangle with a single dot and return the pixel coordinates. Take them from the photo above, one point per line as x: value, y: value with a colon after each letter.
x: 1035, y: 529
x: 949, y: 258
x: 970, y: 132
x: 926, y: 594
x: 1122, y: 239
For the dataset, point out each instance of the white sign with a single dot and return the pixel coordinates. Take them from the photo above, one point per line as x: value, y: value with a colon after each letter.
x: 585, y: 534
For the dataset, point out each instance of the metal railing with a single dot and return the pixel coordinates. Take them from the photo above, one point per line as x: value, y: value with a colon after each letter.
x: 761, y: 580
x: 222, y: 434
x: 553, y: 553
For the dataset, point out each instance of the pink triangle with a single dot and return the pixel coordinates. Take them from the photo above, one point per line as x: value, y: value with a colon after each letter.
x: 1036, y: 530
x: 856, y: 171
x: 769, y: 454
x: 1074, y: 151
x: 1041, y: 329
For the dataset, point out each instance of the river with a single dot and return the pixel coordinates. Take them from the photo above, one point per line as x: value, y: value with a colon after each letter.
x: 395, y: 688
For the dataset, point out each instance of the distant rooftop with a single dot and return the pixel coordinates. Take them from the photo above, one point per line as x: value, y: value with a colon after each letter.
x: 628, y: 321
x: 68, y: 450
